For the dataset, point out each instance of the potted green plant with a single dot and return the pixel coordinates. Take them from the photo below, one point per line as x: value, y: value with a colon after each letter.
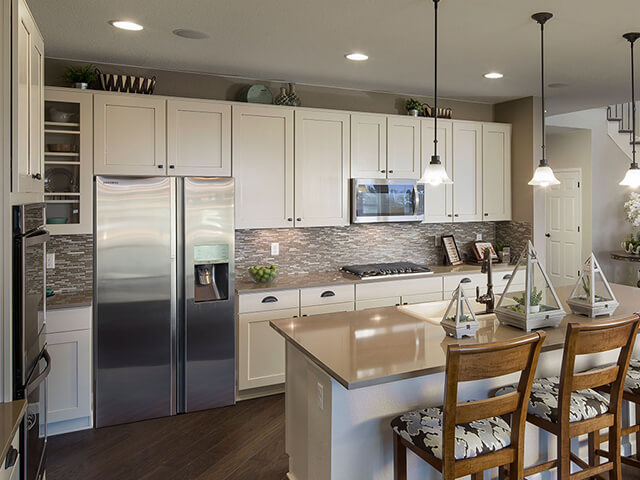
x: 534, y: 301
x: 81, y: 77
x: 414, y: 107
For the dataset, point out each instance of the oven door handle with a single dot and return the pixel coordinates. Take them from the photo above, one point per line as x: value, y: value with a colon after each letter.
x: 36, y: 239
x: 35, y: 383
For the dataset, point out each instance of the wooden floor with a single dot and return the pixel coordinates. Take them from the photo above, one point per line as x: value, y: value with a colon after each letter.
x: 245, y: 442
x: 232, y: 443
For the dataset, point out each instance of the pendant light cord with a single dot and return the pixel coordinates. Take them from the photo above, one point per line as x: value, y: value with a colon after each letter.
x: 435, y: 158
x: 543, y: 161
x: 634, y: 164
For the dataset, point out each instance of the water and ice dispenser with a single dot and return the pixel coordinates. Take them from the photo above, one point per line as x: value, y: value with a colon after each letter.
x: 211, y: 272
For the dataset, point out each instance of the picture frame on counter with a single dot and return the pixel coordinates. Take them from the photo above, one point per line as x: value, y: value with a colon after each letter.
x: 479, y: 247
x: 451, y: 252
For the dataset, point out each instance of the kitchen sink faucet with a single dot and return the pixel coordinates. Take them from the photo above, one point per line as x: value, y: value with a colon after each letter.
x: 488, y: 299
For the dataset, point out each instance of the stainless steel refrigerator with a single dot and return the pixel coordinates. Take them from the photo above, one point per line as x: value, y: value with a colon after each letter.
x: 164, y: 336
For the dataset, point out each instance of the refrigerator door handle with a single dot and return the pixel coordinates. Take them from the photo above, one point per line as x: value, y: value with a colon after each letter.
x: 32, y: 384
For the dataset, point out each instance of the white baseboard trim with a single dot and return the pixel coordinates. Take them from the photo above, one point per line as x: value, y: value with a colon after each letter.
x: 68, y: 426
x: 259, y: 392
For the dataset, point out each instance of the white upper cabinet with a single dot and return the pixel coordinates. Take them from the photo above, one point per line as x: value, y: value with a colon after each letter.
x: 467, y: 172
x: 28, y: 102
x: 403, y: 147
x: 129, y: 135
x: 496, y: 171
x: 262, y: 144
x: 321, y: 168
x: 198, y: 138
x: 438, y: 200
x: 368, y: 146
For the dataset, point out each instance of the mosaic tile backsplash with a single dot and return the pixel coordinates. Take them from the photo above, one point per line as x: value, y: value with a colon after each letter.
x: 74, y: 263
x: 310, y: 250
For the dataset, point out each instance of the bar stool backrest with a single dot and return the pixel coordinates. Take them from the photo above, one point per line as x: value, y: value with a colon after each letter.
x: 467, y: 363
x: 590, y: 338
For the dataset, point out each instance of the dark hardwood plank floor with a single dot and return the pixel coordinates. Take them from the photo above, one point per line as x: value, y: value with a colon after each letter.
x: 232, y: 443
x: 244, y: 442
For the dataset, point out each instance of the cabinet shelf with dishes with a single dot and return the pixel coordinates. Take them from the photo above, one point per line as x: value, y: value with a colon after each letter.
x: 68, y: 160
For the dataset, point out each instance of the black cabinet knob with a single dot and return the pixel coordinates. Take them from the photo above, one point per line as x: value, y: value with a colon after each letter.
x: 289, y: 219
x: 486, y: 214
x: 383, y: 171
x: 449, y: 215
x: 10, y: 459
x: 37, y: 176
x: 390, y: 171
x: 172, y: 166
x: 160, y: 166
x: 298, y: 219
x: 456, y: 215
x: 548, y: 235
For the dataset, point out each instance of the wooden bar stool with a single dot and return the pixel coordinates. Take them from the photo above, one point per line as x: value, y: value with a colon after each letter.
x: 569, y: 406
x: 459, y: 439
x: 631, y: 393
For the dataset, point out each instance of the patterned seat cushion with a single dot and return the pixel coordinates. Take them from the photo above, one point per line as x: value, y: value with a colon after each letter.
x: 632, y: 382
x: 544, y: 401
x: 423, y: 428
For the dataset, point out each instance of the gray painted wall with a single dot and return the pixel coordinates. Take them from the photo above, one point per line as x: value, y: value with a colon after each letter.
x: 196, y: 85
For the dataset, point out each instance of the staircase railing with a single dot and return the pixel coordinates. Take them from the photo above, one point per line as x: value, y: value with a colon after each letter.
x: 622, y: 113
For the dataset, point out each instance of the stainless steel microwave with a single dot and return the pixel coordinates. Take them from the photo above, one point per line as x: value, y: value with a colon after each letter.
x: 386, y: 200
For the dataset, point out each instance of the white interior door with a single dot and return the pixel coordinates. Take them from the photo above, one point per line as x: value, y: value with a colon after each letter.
x: 563, y: 227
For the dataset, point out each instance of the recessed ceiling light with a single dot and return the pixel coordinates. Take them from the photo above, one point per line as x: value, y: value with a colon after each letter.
x: 357, y: 57
x: 493, y: 75
x: 190, y: 34
x: 126, y: 25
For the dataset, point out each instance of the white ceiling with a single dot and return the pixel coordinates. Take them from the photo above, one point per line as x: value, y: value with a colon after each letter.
x: 305, y: 41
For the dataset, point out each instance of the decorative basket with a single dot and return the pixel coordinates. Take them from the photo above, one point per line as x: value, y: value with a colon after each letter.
x: 112, y: 82
x: 430, y: 111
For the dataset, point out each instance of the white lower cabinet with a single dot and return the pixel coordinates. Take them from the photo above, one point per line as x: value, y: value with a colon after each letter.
x: 398, y: 292
x: 69, y: 383
x: 331, y: 308
x: 11, y: 471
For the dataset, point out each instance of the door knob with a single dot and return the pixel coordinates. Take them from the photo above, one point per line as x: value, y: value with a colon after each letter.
x: 548, y: 235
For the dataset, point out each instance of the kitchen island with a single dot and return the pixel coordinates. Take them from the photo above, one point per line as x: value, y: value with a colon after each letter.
x: 349, y: 374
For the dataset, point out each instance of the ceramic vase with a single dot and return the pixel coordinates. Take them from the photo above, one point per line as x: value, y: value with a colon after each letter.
x: 283, y: 97
x: 294, y: 99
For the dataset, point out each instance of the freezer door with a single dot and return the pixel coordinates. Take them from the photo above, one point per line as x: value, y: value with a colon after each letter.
x: 134, y: 299
x: 209, y: 321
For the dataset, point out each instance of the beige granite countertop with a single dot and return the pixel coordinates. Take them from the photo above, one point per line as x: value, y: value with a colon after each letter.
x: 70, y: 300
x: 306, y: 280
x: 381, y: 345
x: 11, y: 414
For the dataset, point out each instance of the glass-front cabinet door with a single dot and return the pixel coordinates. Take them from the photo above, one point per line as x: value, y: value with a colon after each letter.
x: 68, y: 160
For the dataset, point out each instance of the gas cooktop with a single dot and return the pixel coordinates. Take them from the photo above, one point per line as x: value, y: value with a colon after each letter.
x: 395, y: 269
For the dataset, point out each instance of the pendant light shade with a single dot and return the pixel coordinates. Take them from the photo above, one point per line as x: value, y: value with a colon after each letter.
x: 632, y: 178
x: 435, y: 173
x: 543, y: 176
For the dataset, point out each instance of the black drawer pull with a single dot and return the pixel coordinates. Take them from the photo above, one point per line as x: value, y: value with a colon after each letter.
x: 305, y: 315
x: 507, y: 276
x: 327, y: 293
x: 160, y: 166
x: 397, y: 304
x: 269, y: 299
x: 465, y: 280
x: 172, y: 166
x: 10, y: 459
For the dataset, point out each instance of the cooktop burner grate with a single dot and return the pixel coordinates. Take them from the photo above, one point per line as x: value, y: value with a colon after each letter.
x: 394, y: 269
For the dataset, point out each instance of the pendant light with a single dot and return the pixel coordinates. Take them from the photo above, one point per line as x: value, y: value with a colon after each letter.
x: 435, y: 173
x: 543, y: 176
x: 632, y: 178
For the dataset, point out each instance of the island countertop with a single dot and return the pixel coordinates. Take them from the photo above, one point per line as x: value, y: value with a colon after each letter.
x: 381, y: 345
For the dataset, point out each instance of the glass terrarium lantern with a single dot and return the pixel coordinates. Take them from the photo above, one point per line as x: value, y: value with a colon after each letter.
x: 459, y: 320
x: 592, y: 296
x: 538, y: 305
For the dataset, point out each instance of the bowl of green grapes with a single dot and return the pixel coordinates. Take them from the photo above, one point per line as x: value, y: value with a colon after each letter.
x: 264, y: 274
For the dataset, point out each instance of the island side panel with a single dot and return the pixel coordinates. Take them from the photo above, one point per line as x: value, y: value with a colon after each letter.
x: 307, y: 418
